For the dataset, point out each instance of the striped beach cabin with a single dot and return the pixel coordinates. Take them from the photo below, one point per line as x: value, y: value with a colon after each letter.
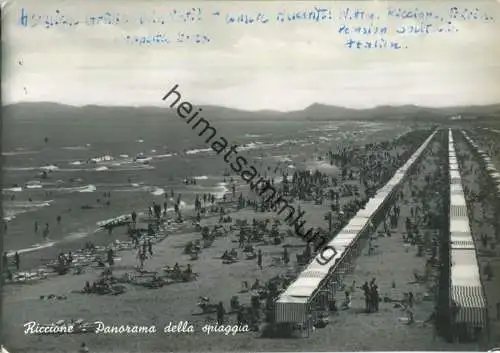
x: 316, y: 285
x: 467, y: 300
x: 488, y: 164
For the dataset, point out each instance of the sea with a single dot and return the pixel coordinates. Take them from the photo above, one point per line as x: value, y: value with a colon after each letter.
x: 140, y: 160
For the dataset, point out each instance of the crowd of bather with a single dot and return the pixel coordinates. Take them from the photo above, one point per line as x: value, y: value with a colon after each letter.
x: 361, y: 170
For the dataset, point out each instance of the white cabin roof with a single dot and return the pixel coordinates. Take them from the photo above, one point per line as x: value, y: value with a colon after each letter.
x: 458, y: 200
x: 459, y: 225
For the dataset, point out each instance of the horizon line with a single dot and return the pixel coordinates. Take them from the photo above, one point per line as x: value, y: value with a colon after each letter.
x: 250, y: 111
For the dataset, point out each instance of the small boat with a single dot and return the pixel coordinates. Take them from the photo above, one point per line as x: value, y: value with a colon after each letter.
x: 33, y: 184
x: 143, y: 159
x: 105, y: 158
x: 113, y: 222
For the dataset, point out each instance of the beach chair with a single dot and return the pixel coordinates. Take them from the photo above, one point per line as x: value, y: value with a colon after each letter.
x: 276, y: 261
x: 118, y: 289
x: 229, y: 261
x: 188, y: 277
x: 251, y: 256
x: 245, y: 287
x: 208, y: 242
x: 301, y: 259
x: 419, y: 278
x: 235, y: 304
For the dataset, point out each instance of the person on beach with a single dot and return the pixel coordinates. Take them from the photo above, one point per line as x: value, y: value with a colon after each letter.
x: 308, y: 251
x: 366, y: 290
x: 150, y: 248
x: 140, y: 258
x: 286, y: 256
x: 488, y: 271
x: 46, y: 231
x: 58, y: 219
x: 347, y: 301
x: 220, y: 313
x: 259, y: 259
x: 484, y: 240
x: 10, y: 276
x: 374, y: 296
x: 83, y: 348
x: 240, y: 316
x: 36, y: 227
x: 111, y: 261
x: 411, y: 299
x: 17, y: 260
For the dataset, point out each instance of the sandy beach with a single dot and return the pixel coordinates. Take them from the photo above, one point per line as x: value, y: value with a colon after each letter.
x: 392, y: 262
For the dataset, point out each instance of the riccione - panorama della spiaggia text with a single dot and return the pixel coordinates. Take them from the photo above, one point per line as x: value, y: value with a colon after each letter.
x: 248, y: 173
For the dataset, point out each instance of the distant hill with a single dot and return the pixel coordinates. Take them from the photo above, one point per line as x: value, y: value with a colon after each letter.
x: 316, y: 111
x: 411, y: 112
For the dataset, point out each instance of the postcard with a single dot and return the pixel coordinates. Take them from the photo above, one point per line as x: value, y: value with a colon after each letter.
x: 250, y: 176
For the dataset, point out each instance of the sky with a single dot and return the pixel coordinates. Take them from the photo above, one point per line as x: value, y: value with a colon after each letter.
x: 281, y: 66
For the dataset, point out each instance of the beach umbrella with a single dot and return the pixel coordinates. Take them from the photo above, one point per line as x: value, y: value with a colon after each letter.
x: 4, y: 350
x: 322, y: 167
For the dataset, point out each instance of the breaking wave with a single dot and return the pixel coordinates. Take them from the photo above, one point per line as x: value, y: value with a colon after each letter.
x: 195, y: 151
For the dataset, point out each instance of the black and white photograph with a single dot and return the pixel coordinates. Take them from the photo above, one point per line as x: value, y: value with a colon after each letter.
x: 250, y: 176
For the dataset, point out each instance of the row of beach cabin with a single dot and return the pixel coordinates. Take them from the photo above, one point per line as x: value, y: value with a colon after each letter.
x: 315, y: 287
x: 467, y: 301
x: 490, y: 168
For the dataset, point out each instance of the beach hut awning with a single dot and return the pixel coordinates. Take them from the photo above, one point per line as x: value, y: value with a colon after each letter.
x: 458, y: 211
x: 495, y: 175
x: 460, y: 225
x: 304, y: 286
x: 456, y: 189
x: 462, y: 244
x: 454, y: 174
x: 292, y: 299
x: 464, y: 258
x: 458, y: 200
x: 471, y: 305
x: 317, y: 269
x: 358, y: 221
x: 465, y: 276
x: 373, y: 205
